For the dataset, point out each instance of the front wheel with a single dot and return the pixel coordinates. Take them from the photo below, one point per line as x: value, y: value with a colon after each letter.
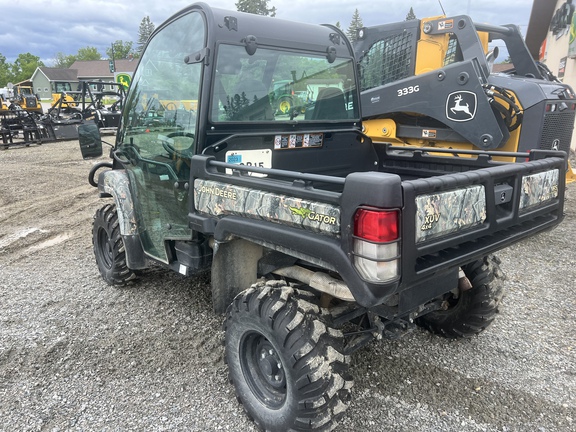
x: 469, y: 312
x: 109, y: 247
x: 284, y: 361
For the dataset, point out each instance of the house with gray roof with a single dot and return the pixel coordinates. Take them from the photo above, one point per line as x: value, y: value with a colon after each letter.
x: 47, y: 81
x: 95, y: 70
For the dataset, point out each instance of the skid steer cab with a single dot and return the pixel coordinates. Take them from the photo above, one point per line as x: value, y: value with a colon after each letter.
x: 240, y: 151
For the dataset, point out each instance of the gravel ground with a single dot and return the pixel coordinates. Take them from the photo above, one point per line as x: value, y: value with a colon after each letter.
x: 76, y: 354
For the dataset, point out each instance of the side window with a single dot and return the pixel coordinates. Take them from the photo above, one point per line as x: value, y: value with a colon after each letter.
x: 160, y: 111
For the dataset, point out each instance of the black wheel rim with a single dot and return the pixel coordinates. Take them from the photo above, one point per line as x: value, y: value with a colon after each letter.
x: 263, y: 370
x: 105, y: 248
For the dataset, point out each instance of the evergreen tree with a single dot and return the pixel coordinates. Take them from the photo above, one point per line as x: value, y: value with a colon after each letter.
x: 258, y: 7
x: 354, y: 26
x: 146, y: 29
x: 411, y: 15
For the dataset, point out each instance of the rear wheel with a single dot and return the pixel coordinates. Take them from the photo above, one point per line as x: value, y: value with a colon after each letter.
x: 469, y: 312
x: 284, y: 361
x: 109, y: 247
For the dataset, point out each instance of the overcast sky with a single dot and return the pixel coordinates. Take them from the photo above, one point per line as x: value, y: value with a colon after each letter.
x: 46, y: 27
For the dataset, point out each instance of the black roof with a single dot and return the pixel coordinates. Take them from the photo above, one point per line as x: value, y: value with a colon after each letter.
x: 238, y: 27
x: 60, y: 74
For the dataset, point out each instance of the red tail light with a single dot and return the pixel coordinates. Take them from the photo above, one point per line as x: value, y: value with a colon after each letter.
x: 380, y: 226
x: 377, y: 244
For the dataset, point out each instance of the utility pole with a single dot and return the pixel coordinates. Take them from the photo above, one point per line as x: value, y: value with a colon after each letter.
x: 112, y: 63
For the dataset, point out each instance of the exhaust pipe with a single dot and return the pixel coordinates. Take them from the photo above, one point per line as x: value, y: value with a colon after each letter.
x: 317, y: 280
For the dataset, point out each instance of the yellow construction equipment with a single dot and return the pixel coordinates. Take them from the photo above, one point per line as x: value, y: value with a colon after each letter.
x: 430, y: 83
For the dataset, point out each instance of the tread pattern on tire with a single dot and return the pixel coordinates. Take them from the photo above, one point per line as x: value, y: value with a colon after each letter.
x: 476, y: 309
x: 118, y: 273
x: 320, y: 370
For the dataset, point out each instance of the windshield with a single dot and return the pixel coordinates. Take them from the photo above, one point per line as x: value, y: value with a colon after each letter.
x: 26, y: 91
x: 163, y: 98
x: 274, y: 85
x: 60, y: 87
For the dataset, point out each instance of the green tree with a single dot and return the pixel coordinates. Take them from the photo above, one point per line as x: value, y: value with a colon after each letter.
x: 146, y: 29
x: 258, y: 7
x: 24, y: 66
x: 355, y: 25
x: 411, y: 15
x: 88, y: 53
x: 122, y: 50
x: 5, y: 72
x: 63, y: 61
x: 338, y: 25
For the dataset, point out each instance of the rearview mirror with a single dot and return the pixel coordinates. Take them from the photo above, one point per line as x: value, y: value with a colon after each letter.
x: 90, y: 140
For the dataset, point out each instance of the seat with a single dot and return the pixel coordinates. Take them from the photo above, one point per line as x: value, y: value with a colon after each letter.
x: 330, y: 105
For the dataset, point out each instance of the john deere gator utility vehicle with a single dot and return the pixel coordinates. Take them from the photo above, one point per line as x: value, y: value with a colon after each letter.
x: 318, y: 240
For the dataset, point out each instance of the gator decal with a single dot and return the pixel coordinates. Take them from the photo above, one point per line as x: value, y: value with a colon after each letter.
x: 539, y: 188
x: 218, y: 199
x: 447, y: 212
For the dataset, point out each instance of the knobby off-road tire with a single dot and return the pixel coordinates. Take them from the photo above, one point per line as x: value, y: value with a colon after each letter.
x: 473, y: 310
x: 284, y: 361
x: 109, y: 247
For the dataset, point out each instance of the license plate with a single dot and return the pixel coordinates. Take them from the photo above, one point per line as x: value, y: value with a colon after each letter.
x: 261, y: 158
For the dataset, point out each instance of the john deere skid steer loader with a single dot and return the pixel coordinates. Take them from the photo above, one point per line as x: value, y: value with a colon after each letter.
x: 429, y: 83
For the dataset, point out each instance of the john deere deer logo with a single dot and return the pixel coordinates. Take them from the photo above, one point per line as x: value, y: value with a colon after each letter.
x: 461, y: 106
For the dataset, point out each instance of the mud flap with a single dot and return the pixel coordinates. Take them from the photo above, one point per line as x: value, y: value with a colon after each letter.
x: 234, y: 269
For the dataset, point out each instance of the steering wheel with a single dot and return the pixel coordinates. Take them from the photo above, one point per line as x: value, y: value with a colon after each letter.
x: 174, y: 152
